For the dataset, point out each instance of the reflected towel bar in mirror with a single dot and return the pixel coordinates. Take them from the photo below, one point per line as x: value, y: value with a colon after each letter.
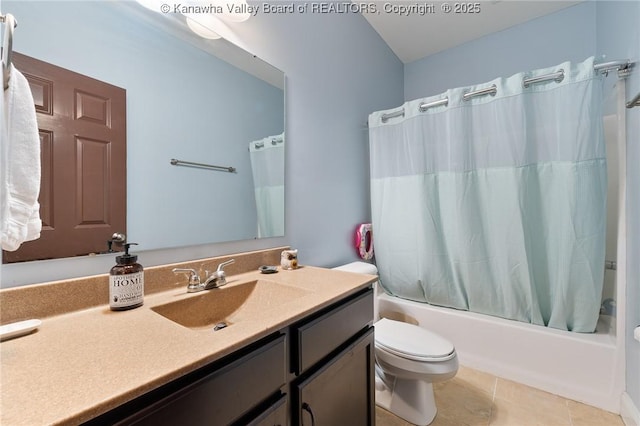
x: 202, y: 165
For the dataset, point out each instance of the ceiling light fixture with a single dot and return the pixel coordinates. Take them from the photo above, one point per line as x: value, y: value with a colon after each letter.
x: 202, y: 30
x: 237, y: 11
x: 152, y: 4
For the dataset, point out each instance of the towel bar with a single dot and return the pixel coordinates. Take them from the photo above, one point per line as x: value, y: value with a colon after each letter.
x: 7, y: 46
x: 202, y: 165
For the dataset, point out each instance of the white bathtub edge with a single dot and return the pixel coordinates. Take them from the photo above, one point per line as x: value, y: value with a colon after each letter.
x: 580, y: 367
x: 628, y: 411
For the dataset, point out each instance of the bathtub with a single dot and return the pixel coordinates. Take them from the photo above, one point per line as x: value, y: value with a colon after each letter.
x: 578, y: 366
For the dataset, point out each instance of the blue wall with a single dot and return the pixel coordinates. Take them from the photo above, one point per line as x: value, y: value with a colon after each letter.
x: 565, y: 35
x: 338, y: 71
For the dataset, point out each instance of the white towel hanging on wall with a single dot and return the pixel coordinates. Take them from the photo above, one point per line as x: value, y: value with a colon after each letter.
x: 20, y: 185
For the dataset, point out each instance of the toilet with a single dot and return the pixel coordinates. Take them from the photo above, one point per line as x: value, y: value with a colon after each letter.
x: 409, y: 359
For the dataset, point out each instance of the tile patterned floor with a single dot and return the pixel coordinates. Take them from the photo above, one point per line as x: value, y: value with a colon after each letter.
x: 474, y: 398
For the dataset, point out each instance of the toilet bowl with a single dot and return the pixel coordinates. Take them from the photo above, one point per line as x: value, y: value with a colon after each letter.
x: 409, y: 359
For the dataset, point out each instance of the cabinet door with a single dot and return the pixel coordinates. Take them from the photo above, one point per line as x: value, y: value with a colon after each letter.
x: 341, y: 392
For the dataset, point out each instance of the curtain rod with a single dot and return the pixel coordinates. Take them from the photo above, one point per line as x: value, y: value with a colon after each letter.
x: 557, y: 76
x: 481, y: 92
x: 622, y: 66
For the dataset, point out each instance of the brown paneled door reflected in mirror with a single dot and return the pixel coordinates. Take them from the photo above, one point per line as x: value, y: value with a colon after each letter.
x: 82, y: 126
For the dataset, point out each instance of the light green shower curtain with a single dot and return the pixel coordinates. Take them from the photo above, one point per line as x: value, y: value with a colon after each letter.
x: 267, y: 167
x: 496, y: 204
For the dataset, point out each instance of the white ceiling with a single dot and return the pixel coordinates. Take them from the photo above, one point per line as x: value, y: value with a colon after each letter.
x: 413, y: 36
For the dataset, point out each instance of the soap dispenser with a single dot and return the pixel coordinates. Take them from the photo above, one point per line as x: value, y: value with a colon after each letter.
x: 126, y: 282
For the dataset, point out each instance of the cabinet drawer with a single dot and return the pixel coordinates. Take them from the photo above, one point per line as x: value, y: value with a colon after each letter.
x: 224, y: 395
x: 317, y: 338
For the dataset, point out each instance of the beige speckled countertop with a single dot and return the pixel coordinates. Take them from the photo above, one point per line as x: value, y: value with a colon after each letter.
x: 82, y: 363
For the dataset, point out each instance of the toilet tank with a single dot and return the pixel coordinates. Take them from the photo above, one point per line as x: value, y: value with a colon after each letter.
x: 364, y: 268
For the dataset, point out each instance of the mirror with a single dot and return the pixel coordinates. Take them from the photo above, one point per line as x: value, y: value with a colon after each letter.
x: 187, y: 98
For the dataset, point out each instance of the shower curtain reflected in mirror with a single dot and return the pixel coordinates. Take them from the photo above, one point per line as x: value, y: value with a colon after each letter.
x: 267, y: 166
x: 496, y: 204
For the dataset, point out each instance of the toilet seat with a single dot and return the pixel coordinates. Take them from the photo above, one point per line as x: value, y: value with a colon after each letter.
x: 412, y: 342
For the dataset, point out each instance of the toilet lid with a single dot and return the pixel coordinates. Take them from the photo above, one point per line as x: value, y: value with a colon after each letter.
x: 411, y: 342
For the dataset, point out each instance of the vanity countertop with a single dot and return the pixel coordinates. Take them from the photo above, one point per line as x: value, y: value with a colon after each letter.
x: 80, y: 364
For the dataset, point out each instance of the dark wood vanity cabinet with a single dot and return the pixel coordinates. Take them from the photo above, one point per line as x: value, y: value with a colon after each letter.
x: 318, y: 371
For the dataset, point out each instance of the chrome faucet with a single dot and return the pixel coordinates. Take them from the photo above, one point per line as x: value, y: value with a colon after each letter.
x: 214, y: 280
x: 194, y: 279
x: 218, y: 278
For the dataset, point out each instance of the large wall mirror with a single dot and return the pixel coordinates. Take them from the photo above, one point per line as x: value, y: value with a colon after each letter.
x: 187, y: 98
